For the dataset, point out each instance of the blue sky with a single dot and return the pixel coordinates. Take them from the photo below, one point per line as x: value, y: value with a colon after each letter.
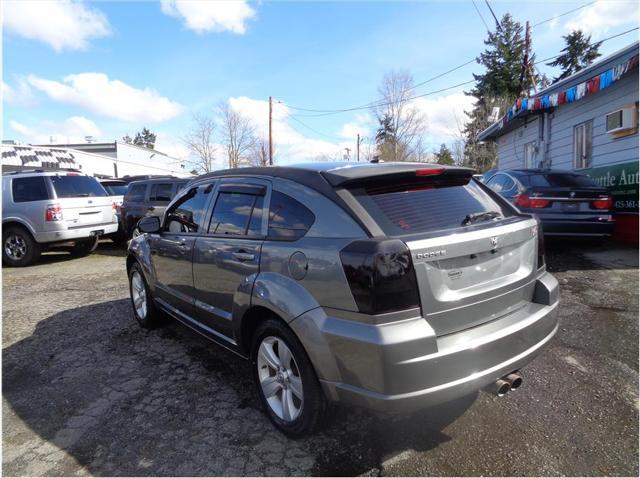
x: 109, y: 68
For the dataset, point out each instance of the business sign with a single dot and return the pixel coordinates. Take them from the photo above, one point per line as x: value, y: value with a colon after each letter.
x: 622, y: 182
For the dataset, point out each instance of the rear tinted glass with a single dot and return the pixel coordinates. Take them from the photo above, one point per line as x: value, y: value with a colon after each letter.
x: 76, y: 186
x: 427, y: 206
x: 161, y: 192
x: 560, y: 181
x: 288, y: 218
x: 115, y: 189
x: 29, y: 189
x: 136, y: 193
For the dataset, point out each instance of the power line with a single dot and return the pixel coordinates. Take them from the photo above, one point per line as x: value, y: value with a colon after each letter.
x: 494, y: 15
x: 335, y: 138
x: 480, y: 14
x: 563, y: 14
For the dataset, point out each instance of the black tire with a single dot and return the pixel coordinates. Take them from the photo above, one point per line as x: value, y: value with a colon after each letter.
x: 84, y: 247
x: 314, y: 404
x: 24, y: 250
x: 152, y: 318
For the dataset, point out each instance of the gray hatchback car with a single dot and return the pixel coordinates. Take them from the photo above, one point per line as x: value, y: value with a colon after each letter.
x: 392, y: 286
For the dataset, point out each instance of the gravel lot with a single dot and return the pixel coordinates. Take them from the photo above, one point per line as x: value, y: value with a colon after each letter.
x: 87, y: 392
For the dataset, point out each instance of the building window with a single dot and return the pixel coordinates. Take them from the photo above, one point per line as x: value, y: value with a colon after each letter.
x: 530, y: 155
x: 582, y: 136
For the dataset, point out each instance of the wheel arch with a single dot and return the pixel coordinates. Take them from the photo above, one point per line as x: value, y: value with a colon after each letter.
x: 16, y: 222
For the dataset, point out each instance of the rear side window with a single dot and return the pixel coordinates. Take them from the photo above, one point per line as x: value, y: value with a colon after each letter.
x: 136, y: 193
x: 72, y: 186
x: 29, y: 189
x: 561, y: 181
x: 115, y: 189
x: 237, y: 214
x: 161, y: 192
x: 427, y: 206
x: 288, y: 218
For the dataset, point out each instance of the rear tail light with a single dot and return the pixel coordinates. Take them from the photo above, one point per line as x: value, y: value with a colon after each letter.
x: 541, y: 261
x: 524, y: 201
x: 381, y: 275
x: 54, y: 213
x: 603, y: 203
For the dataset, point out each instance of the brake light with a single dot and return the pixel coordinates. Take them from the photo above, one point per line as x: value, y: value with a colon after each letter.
x: 114, y: 206
x: 527, y: 202
x: 381, y: 276
x: 603, y: 203
x: 73, y: 174
x: 54, y: 213
x: 429, y: 172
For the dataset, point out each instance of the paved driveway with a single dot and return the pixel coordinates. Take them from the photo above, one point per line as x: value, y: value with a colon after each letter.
x: 87, y: 392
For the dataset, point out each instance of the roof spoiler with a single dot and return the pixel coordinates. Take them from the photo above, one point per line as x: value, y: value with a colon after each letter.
x: 356, y: 176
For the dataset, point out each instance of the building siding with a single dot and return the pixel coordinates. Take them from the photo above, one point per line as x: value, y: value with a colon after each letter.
x: 606, y: 150
x: 511, y: 145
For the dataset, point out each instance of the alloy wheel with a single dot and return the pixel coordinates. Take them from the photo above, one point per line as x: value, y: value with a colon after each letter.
x: 15, y: 247
x: 139, y: 295
x: 280, y: 378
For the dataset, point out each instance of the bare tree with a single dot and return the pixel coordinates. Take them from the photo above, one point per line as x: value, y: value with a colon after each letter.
x: 199, y: 140
x: 396, y: 112
x: 259, y: 154
x: 238, y: 134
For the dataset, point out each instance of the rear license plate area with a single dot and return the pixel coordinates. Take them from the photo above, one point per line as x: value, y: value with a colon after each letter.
x: 570, y: 206
x: 98, y: 232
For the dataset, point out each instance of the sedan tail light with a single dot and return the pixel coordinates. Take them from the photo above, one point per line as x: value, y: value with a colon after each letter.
x: 526, y: 202
x: 381, y: 276
x: 541, y: 260
x: 603, y: 203
x: 54, y: 213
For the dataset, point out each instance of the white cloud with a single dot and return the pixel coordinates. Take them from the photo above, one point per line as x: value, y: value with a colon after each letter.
x: 360, y: 125
x: 444, y: 114
x: 95, y: 92
x: 167, y: 144
x: 602, y: 16
x: 210, y: 16
x: 62, y: 24
x: 71, y: 130
x: 19, y: 94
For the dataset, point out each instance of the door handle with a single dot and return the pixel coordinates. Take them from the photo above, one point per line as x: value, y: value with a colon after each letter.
x: 151, y: 208
x: 243, y: 256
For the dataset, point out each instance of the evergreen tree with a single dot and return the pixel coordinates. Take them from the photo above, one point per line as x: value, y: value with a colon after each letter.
x: 444, y: 156
x: 578, y: 53
x: 386, y: 139
x: 498, y: 86
x: 145, y: 138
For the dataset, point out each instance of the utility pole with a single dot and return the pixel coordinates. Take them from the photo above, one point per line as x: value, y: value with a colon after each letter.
x: 525, y: 73
x: 270, y: 135
x: 348, y: 150
x: 358, y: 148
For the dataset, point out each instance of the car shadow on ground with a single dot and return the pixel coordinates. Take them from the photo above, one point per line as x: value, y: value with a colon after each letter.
x: 583, y: 254
x: 121, y: 400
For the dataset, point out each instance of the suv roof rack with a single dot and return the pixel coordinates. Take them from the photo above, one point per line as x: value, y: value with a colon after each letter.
x: 39, y: 170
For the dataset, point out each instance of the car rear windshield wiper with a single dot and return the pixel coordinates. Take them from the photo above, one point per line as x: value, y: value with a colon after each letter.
x: 480, y: 216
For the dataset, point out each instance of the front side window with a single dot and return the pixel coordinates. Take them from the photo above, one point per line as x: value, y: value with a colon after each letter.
x: 185, y: 215
x: 73, y: 186
x: 288, y: 218
x: 582, y: 139
x: 29, y: 189
x: 237, y: 214
x: 161, y: 192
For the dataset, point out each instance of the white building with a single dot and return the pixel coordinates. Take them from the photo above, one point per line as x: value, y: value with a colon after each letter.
x: 119, y: 159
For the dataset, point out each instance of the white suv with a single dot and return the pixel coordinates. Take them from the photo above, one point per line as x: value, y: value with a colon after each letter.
x: 42, y: 209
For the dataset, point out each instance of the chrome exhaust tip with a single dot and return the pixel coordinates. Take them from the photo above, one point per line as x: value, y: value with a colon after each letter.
x: 501, y: 387
x: 514, y: 380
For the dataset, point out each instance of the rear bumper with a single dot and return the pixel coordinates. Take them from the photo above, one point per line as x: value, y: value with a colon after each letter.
x: 403, y: 366
x: 76, y: 233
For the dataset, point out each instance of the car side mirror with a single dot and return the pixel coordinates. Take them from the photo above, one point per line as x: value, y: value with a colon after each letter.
x: 149, y: 224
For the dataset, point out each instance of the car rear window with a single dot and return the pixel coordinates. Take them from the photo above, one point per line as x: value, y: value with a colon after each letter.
x: 429, y: 206
x: 161, y: 192
x: 115, y: 189
x: 237, y: 214
x: 72, y: 186
x: 560, y: 181
x: 29, y: 189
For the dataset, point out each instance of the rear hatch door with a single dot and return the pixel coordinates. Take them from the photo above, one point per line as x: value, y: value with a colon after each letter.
x: 83, y: 200
x: 474, y: 256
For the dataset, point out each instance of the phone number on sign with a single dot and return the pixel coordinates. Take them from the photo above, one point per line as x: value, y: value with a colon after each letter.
x: 627, y: 204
